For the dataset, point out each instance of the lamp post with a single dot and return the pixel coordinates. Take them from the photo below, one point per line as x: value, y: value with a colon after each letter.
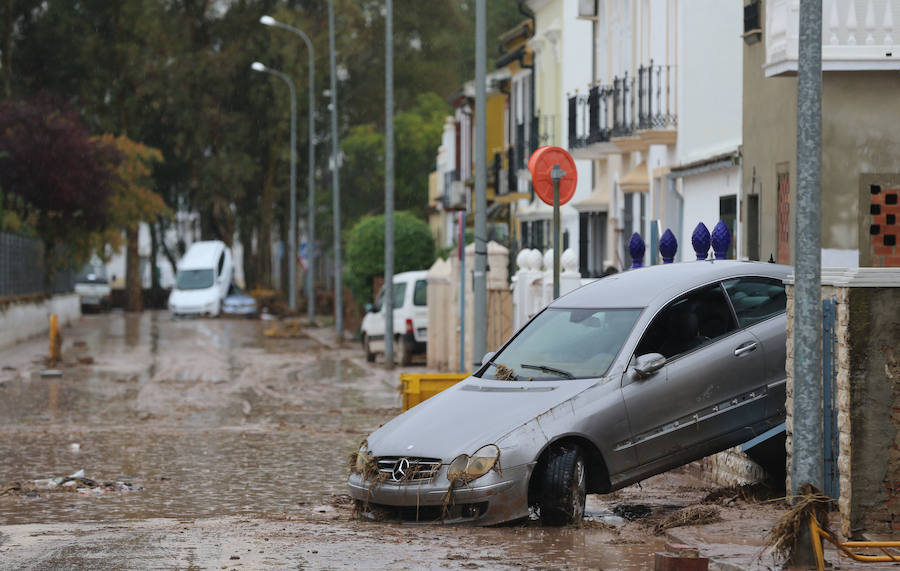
x: 311, y: 219
x: 335, y: 184
x: 292, y: 241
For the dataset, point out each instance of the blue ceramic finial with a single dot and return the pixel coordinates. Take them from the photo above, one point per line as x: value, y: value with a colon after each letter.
x: 721, y: 239
x: 700, y: 241
x: 636, y: 248
x: 668, y: 245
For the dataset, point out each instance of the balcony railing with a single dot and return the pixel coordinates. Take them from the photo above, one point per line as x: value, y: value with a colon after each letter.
x: 856, y: 35
x: 622, y: 108
x: 656, y: 103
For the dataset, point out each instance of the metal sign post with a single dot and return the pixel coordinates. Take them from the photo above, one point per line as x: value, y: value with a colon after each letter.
x: 556, y: 175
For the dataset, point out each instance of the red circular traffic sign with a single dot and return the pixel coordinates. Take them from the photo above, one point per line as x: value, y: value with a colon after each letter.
x: 541, y: 162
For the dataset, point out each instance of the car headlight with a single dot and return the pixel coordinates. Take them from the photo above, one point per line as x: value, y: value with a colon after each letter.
x: 465, y: 468
x: 361, y: 459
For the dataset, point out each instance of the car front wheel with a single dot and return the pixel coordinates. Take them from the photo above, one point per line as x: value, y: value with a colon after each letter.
x: 563, y: 486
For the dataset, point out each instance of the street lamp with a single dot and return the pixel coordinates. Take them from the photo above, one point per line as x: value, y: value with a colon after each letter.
x: 292, y: 241
x: 311, y: 219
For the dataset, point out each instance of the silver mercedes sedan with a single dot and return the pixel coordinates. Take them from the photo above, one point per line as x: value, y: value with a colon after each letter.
x: 624, y: 378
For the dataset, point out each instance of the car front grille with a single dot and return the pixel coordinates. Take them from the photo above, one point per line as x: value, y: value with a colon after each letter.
x: 407, y: 469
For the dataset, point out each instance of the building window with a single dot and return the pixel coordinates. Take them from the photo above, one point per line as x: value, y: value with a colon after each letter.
x: 753, y: 226
x: 591, y: 244
x: 728, y: 215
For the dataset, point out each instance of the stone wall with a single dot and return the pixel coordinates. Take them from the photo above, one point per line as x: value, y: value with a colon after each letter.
x: 867, y: 362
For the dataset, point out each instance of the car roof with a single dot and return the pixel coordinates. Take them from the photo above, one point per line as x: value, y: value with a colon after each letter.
x: 413, y: 275
x: 642, y: 287
x: 202, y: 255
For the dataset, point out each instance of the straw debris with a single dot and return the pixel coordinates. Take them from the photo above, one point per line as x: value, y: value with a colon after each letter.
x: 785, y: 535
x: 691, y: 515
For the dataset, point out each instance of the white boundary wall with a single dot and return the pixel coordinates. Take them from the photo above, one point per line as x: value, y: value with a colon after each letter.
x: 19, y: 321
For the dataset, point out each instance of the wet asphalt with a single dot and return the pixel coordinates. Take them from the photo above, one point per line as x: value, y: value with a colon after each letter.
x: 230, y: 450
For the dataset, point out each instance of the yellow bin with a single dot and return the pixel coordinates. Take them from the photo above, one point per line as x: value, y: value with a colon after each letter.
x: 420, y: 386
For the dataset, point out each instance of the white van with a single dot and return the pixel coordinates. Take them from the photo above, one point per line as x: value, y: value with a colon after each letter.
x: 410, y: 319
x: 204, y: 275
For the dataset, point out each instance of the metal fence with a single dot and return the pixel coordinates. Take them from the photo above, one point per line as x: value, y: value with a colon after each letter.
x: 22, y: 270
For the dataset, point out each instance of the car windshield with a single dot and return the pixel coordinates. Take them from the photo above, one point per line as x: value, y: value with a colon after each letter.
x: 194, y: 279
x: 92, y: 274
x: 564, y: 344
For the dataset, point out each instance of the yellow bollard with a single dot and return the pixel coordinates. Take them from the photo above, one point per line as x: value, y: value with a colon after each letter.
x: 55, y: 339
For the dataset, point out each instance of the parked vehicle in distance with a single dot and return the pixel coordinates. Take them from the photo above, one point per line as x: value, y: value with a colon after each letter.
x: 624, y: 378
x: 203, y: 278
x: 410, y: 319
x: 92, y: 286
x: 239, y: 303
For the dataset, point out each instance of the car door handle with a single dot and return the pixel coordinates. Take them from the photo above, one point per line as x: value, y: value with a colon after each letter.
x: 745, y: 348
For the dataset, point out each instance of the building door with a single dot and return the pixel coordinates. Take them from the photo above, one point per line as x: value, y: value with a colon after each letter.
x: 784, y: 218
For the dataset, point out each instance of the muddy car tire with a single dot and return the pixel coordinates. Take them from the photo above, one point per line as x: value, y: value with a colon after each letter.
x: 370, y: 356
x: 563, y: 487
x: 403, y: 352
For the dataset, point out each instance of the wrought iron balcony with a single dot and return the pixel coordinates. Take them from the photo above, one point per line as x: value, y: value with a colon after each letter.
x: 656, y: 98
x: 622, y: 108
x: 589, y: 117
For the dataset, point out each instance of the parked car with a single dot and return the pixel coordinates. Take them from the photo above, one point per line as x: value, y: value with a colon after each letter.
x: 410, y: 319
x: 239, y: 303
x: 624, y: 378
x: 203, y: 278
x: 92, y: 286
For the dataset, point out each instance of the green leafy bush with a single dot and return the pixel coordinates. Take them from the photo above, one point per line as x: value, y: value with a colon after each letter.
x: 413, y: 250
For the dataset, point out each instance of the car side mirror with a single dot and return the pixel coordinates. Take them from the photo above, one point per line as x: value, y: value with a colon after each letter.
x: 646, y: 365
x: 487, y: 357
x: 368, y: 307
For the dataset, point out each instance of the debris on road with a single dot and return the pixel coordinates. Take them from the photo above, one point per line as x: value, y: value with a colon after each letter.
x: 76, y: 482
x: 691, y: 515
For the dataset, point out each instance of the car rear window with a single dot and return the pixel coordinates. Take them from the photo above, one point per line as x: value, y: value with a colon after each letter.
x: 420, y: 296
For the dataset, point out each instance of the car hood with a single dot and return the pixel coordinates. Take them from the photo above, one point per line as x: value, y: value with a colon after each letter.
x: 192, y: 297
x: 470, y: 414
x: 240, y: 299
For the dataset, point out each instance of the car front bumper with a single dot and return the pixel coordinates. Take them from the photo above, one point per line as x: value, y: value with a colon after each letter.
x: 494, y: 498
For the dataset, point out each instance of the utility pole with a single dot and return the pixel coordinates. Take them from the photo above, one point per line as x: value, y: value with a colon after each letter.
x: 479, y: 283
x: 335, y: 186
x: 807, y: 460
x: 389, y: 186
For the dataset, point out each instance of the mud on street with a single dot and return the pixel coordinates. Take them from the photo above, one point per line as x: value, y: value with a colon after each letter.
x: 231, y: 450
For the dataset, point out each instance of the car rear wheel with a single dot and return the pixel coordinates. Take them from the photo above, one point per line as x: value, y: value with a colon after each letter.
x: 370, y: 356
x: 563, y: 486
x: 403, y: 351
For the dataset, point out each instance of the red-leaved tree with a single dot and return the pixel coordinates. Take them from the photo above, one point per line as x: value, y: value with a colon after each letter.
x: 53, y: 173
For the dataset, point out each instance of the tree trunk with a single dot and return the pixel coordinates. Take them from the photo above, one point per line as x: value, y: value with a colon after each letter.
x: 162, y: 242
x: 132, y: 271
x: 266, y: 207
x: 155, y: 290
x: 245, y: 231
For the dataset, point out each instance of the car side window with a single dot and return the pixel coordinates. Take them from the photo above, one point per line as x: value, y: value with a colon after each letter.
x: 420, y: 293
x: 221, y: 263
x: 399, y: 294
x: 756, y: 299
x: 688, y: 322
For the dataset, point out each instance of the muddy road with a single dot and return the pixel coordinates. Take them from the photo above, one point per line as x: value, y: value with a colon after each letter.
x: 225, y: 448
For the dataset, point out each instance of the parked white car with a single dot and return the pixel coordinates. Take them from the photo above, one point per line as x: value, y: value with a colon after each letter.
x: 92, y: 286
x: 204, y: 276
x: 410, y: 319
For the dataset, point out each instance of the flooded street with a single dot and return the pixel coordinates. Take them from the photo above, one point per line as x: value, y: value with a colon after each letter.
x: 232, y: 451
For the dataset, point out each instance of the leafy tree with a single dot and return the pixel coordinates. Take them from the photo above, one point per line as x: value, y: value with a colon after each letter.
x: 413, y: 250
x: 133, y: 201
x: 417, y: 135
x: 54, y: 175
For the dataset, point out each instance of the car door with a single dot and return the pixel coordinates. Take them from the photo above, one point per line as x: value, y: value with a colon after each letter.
x: 374, y: 323
x: 759, y: 304
x: 707, y: 390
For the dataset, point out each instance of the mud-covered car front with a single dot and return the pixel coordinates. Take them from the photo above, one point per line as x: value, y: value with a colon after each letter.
x: 474, y: 488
